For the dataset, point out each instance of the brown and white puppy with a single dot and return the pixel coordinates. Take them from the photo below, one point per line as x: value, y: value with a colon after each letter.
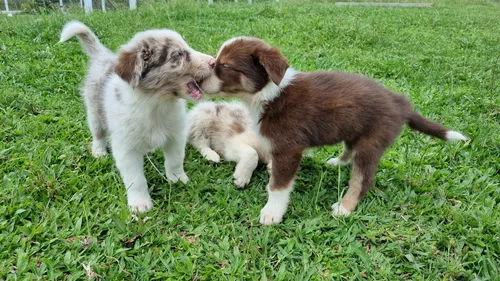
x: 294, y: 110
x: 134, y: 98
x: 225, y: 128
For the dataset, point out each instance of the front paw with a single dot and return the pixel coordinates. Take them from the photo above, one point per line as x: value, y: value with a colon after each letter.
x: 99, y: 153
x: 175, y: 177
x: 139, y: 201
x: 338, y: 210
x: 99, y: 149
x: 212, y: 156
x: 271, y: 214
x: 241, y: 179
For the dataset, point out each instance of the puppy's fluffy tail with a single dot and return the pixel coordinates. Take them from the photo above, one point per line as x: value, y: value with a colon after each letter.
x: 90, y: 43
x: 426, y: 126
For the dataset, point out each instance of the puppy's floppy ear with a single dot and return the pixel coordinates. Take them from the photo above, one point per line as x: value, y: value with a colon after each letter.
x: 273, y: 62
x: 129, y: 67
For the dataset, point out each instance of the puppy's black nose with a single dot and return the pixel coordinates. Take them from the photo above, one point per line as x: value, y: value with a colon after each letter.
x: 211, y: 62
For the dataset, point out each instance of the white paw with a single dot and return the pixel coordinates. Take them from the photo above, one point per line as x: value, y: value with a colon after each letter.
x: 184, y: 178
x: 98, y: 149
x: 338, y: 210
x: 98, y: 154
x: 241, y: 179
x: 175, y: 177
x: 336, y: 161
x: 271, y: 214
x: 139, y: 201
x: 212, y: 156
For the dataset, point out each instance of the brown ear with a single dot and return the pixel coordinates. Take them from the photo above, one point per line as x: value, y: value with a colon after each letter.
x: 129, y: 68
x: 273, y: 62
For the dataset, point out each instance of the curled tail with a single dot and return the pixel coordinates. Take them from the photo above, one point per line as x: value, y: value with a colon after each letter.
x: 91, y: 45
x: 426, y: 126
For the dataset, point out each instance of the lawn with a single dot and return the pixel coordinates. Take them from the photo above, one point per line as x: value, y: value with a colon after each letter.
x: 433, y: 213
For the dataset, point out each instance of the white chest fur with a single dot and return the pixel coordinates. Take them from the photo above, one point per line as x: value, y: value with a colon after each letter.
x: 257, y: 101
x: 144, y: 123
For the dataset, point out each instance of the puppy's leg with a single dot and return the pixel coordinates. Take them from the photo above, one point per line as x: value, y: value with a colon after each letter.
x: 344, y: 158
x: 96, y: 125
x: 130, y: 164
x: 247, y: 160
x: 284, y: 169
x: 269, y: 167
x: 363, y: 172
x: 173, y: 150
x: 203, y: 145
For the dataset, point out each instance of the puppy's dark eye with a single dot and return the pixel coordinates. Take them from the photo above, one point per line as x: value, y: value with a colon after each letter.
x: 178, y: 54
x: 146, y: 54
x: 177, y: 57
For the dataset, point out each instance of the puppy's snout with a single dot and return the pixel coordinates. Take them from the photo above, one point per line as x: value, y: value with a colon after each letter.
x: 211, y: 62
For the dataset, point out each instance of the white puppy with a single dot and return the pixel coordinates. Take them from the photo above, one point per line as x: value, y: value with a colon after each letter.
x: 226, y: 128
x: 134, y: 98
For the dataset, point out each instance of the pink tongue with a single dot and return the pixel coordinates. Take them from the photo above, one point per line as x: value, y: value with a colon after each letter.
x: 194, y: 90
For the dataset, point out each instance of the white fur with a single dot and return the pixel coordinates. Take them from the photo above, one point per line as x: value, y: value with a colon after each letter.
x: 72, y: 28
x: 90, y: 43
x: 336, y: 161
x: 338, y: 210
x: 138, y: 125
x: 276, y: 206
x: 211, y: 132
x: 229, y: 42
x: 246, y: 156
x: 257, y: 101
x: 136, y: 122
x: 270, y: 92
x: 278, y: 201
x: 455, y: 136
x: 155, y: 33
x: 288, y: 78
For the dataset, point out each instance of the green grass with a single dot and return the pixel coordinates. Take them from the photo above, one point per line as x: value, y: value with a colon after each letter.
x: 433, y: 213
